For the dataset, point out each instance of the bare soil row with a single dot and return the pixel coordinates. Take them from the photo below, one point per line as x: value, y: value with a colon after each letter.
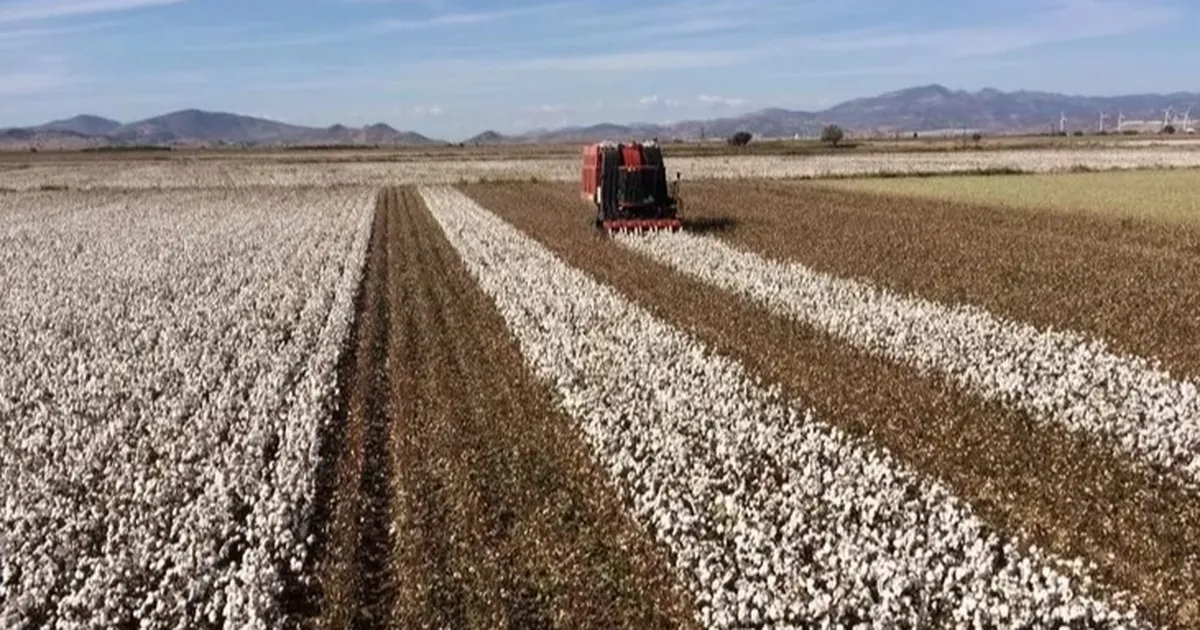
x: 458, y: 496
x: 1133, y: 283
x: 1066, y: 494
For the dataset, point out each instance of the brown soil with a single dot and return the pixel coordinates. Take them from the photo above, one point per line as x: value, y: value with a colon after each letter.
x: 1067, y: 495
x: 1134, y: 283
x: 461, y: 497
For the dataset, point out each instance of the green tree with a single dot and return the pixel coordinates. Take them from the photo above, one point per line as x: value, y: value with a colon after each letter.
x: 832, y: 134
x: 740, y: 139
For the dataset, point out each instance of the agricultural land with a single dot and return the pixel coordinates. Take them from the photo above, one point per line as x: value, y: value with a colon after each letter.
x: 887, y: 388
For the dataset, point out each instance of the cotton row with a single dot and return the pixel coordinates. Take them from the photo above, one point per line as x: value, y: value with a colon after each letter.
x: 166, y: 361
x: 774, y: 519
x: 1057, y: 377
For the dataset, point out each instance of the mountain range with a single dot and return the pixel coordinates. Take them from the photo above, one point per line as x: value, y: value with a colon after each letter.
x: 925, y: 108
x: 193, y: 127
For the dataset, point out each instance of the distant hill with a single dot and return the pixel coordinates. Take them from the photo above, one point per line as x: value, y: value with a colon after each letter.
x: 925, y: 108
x: 199, y: 127
x: 937, y: 107
x: 193, y: 125
x: 83, y: 125
x: 487, y: 137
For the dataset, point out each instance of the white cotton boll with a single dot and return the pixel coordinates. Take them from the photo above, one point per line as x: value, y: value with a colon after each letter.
x: 142, y: 361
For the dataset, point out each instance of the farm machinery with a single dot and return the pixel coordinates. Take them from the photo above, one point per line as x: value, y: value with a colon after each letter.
x: 627, y: 182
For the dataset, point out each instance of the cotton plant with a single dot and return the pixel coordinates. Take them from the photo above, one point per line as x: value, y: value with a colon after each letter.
x: 167, y: 361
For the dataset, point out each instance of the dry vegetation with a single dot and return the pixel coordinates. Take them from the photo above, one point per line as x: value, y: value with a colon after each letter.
x: 1150, y: 195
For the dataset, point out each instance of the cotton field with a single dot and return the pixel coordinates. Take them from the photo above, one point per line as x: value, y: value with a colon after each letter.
x: 1058, y: 377
x: 423, y: 393
x: 741, y: 486
x: 167, y: 363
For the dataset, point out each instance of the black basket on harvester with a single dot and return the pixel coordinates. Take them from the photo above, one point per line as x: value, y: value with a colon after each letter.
x: 628, y: 185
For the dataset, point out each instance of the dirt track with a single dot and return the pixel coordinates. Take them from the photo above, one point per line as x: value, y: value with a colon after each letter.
x: 1070, y: 497
x: 1135, y: 283
x: 460, y: 497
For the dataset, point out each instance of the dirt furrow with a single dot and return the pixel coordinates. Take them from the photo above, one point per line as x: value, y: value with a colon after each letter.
x: 1133, y: 283
x: 498, y: 517
x: 1068, y: 496
x: 338, y: 577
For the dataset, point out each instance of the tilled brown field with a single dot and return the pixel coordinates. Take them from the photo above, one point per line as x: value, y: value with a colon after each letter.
x: 1133, y: 283
x: 459, y: 496
x: 1066, y: 493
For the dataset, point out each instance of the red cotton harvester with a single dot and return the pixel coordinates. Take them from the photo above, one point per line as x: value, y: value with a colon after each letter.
x: 628, y: 184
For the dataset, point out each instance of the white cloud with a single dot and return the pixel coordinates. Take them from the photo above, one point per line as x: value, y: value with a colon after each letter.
x: 1060, y: 21
x: 432, y: 5
x: 638, y: 61
x: 28, y: 10
x: 466, y: 17
x: 374, y: 29
x: 658, y: 101
x: 547, y: 109
x: 303, y: 40
x: 24, y: 37
x: 725, y: 101
x: 426, y: 111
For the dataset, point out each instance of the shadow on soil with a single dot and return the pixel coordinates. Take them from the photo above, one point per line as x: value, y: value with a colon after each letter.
x: 705, y: 225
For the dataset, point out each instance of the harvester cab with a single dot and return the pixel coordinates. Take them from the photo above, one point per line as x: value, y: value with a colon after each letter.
x: 628, y: 185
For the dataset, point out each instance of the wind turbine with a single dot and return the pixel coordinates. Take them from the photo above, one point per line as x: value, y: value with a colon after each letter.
x: 1187, y: 120
x: 1120, y: 120
x: 1062, y: 122
x: 1166, y: 117
x: 1102, y: 117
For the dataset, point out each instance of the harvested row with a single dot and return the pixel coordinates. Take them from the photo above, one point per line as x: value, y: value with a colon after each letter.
x: 773, y: 517
x: 167, y: 363
x: 460, y: 498
x: 1056, y: 377
x: 1135, y: 284
x: 189, y: 173
x: 347, y: 566
x: 1078, y: 500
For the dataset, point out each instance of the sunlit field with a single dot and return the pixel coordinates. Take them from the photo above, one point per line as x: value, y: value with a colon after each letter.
x: 1158, y: 194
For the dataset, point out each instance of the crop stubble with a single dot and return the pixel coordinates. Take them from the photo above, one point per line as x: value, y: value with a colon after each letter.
x: 462, y: 497
x: 1135, y: 284
x: 1066, y: 495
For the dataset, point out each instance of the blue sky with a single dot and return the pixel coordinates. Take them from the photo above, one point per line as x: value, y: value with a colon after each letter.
x: 451, y: 68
